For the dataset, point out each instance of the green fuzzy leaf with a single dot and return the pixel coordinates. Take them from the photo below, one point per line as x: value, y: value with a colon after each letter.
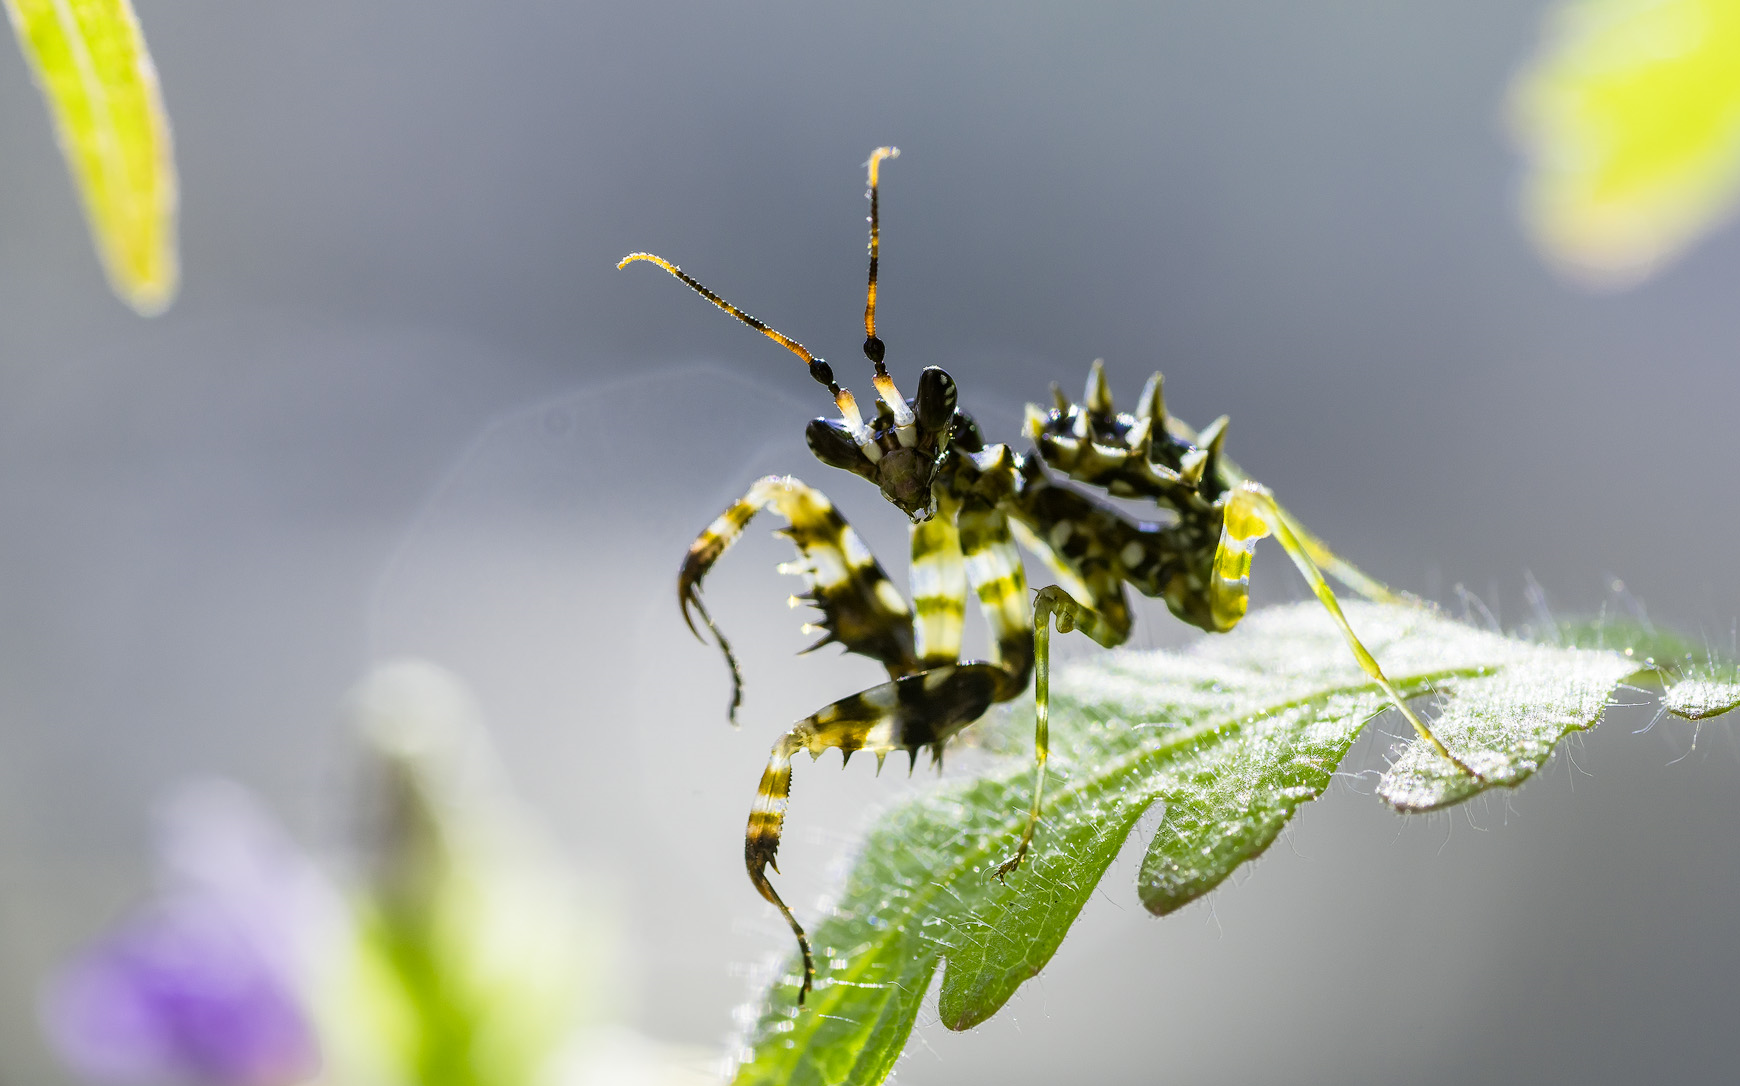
x: 90, y: 60
x: 1231, y: 737
x: 1704, y: 693
x: 1504, y: 725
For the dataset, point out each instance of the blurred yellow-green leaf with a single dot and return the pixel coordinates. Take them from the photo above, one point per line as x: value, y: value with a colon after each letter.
x: 1630, y: 117
x: 91, y: 63
x: 471, y: 958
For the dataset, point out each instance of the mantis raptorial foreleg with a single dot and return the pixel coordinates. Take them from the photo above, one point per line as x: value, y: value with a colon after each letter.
x: 861, y: 608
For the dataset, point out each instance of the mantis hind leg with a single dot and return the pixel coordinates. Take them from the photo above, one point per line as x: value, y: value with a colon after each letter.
x: 1252, y: 513
x: 909, y: 713
x: 1110, y: 631
x: 1338, y: 567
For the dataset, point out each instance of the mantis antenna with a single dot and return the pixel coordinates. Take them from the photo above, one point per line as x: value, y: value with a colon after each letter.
x: 873, y: 348
x: 820, y: 370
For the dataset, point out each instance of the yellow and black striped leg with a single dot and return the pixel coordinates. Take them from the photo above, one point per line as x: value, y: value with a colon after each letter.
x: 1251, y: 513
x: 939, y: 586
x: 909, y: 713
x: 993, y: 568
x: 861, y: 608
x: 1052, y: 603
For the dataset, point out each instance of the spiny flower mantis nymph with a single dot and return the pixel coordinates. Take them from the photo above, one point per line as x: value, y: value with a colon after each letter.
x: 970, y: 504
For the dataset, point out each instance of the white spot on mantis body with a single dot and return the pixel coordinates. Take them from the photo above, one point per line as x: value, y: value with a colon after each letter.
x: 890, y: 597
x: 829, y: 571
x: 926, y: 581
x: 858, y: 554
x: 723, y: 527
x: 1036, y: 421
x: 986, y: 566
x: 1191, y: 466
x: 881, y: 698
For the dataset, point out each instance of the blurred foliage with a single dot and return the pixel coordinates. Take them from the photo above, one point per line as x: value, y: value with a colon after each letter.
x: 90, y: 60
x: 1229, y: 737
x: 1630, y: 117
x: 469, y: 962
x: 1643, y: 641
x: 202, y: 982
x: 462, y: 955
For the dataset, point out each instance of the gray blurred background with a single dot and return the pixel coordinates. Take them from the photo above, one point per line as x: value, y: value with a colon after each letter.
x: 405, y: 405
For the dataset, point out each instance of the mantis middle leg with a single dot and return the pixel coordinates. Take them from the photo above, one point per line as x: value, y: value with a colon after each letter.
x: 1110, y: 631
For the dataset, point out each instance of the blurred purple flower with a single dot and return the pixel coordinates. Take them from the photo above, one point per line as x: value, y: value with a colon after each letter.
x: 203, y: 983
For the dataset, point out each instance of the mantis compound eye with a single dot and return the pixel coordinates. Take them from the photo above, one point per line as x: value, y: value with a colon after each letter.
x: 835, y: 446
x: 935, y: 401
